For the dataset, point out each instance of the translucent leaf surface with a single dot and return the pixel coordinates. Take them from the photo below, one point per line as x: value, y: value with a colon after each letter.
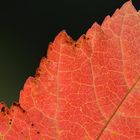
x: 83, y: 90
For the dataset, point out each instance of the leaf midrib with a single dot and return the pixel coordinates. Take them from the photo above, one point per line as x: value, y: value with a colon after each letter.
x: 114, y: 113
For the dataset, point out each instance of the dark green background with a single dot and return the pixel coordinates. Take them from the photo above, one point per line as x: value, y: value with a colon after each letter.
x: 26, y: 28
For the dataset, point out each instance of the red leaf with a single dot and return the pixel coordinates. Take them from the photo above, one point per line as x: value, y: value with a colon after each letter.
x: 84, y: 90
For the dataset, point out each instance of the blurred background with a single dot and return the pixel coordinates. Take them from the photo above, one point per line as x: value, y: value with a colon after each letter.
x: 26, y: 28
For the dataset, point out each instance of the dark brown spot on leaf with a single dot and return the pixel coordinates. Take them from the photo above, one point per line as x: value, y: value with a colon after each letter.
x: 75, y: 45
x: 14, y: 103
x: 32, y: 124
x: 84, y: 36
x: 10, y: 121
x: 38, y: 132
x: 18, y: 105
x: 3, y: 109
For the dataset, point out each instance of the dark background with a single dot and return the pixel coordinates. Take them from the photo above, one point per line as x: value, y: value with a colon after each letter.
x: 26, y: 28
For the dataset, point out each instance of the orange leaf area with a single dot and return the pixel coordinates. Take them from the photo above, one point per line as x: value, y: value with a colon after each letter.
x: 87, y: 89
